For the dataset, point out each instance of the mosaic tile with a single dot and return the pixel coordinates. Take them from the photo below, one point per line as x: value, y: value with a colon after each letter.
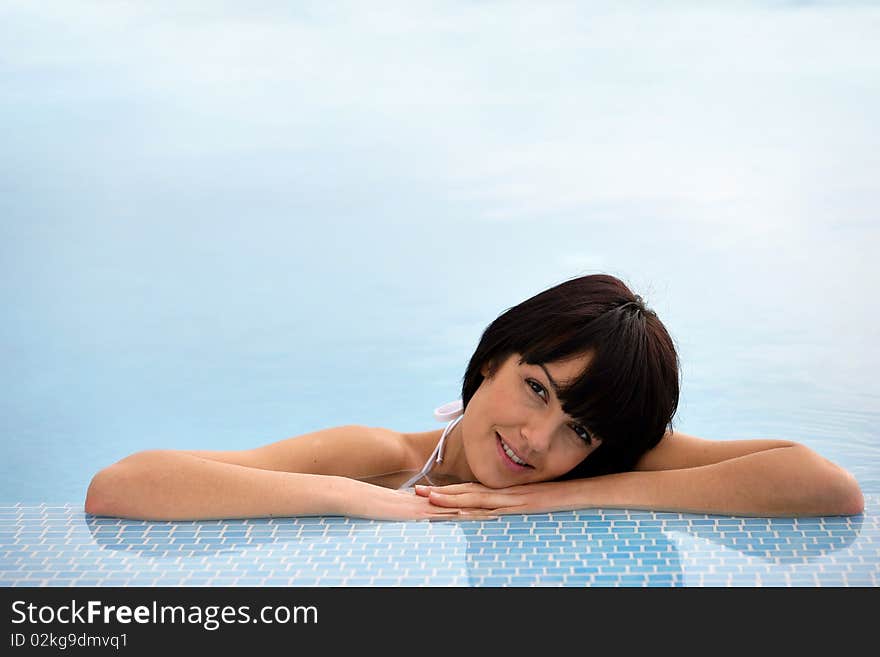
x: 62, y: 546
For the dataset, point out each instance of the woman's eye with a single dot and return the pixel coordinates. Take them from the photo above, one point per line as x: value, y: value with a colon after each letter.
x: 533, y: 385
x: 537, y: 388
x: 586, y: 435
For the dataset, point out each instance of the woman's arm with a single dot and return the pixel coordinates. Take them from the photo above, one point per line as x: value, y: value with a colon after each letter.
x: 307, y: 475
x: 752, y: 478
x: 171, y: 485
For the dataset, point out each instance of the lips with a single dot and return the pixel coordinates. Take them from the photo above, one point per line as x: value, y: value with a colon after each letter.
x: 508, y: 461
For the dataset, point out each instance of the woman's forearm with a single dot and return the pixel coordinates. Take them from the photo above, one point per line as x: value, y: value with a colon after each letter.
x: 169, y: 485
x: 786, y: 481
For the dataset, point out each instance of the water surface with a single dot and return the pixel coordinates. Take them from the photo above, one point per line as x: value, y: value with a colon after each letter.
x: 225, y: 226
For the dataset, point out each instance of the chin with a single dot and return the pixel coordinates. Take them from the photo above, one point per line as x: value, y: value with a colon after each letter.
x: 498, y: 480
x: 491, y: 480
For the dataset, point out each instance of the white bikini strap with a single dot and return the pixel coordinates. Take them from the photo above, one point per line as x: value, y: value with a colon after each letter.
x: 449, y: 411
x: 454, y: 412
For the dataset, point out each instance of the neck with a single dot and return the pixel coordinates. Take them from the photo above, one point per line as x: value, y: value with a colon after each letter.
x: 454, y: 465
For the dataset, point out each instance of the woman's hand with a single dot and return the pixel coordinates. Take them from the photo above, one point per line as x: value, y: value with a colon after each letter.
x: 365, y: 500
x: 473, y: 499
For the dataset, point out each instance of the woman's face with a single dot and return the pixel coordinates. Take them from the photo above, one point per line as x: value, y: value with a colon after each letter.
x: 514, y: 430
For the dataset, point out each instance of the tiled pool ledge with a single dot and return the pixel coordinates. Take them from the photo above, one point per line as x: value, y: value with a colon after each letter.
x: 61, y: 546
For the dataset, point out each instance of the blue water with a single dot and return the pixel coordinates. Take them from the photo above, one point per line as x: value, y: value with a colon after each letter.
x: 224, y: 226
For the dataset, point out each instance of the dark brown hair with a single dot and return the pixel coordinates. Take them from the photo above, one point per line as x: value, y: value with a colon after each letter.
x: 628, y: 394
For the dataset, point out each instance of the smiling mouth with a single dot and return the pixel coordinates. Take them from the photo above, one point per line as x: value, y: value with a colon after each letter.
x: 510, y: 453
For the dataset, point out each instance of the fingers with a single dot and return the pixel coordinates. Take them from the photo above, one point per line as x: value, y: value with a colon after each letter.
x: 493, y: 503
x: 471, y: 501
x: 447, y: 500
x: 449, y: 511
x: 451, y: 489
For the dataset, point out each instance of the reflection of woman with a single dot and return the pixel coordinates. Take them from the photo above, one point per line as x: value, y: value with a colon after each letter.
x: 567, y: 403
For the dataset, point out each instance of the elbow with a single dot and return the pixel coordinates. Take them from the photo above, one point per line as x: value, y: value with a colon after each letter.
x: 97, y: 494
x: 842, y: 495
x: 105, y: 491
x: 111, y: 487
x: 850, y: 500
x: 824, y: 488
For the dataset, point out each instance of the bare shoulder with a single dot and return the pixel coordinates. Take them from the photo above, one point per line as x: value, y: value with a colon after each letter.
x: 680, y: 450
x: 414, y: 447
x: 351, y: 451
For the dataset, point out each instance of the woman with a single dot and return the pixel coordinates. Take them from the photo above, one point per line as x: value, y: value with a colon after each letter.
x: 567, y: 403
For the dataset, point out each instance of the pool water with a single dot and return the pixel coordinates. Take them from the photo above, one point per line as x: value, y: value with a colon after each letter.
x: 283, y: 221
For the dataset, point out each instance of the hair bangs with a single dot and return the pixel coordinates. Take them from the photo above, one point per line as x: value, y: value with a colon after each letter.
x: 609, y: 395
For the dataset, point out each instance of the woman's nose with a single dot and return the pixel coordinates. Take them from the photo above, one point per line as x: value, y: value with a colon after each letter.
x: 539, y: 434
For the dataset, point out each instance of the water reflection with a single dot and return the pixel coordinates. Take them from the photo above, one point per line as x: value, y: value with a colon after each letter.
x: 295, y: 551
x: 638, y: 549
x: 570, y: 549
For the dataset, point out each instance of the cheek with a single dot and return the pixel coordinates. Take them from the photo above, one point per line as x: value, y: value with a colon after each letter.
x: 573, y: 456
x: 477, y: 447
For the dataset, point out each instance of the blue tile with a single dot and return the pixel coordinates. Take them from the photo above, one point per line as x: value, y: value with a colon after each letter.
x: 43, y: 544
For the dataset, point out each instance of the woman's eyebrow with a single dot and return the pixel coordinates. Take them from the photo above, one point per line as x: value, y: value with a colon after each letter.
x: 553, y: 383
x: 555, y: 387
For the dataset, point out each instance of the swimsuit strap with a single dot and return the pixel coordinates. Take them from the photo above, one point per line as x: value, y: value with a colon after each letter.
x: 449, y: 411
x: 453, y: 412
